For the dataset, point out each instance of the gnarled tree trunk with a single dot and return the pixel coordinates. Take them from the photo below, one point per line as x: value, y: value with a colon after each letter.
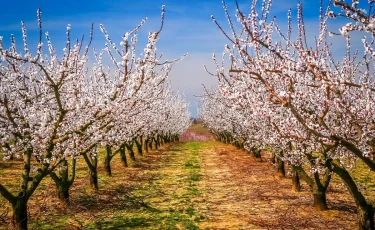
x: 94, y: 179
x: 320, y: 200
x: 146, y: 145
x: 107, y: 160
x: 157, y: 144
x: 131, y: 151
x: 280, y: 166
x: 318, y: 186
x: 258, y: 155
x: 150, y: 143
x: 296, y: 185
x: 123, y: 156
x: 92, y: 163
x: 138, y: 144
x: 63, y: 182
x: 19, y: 217
x: 365, y: 212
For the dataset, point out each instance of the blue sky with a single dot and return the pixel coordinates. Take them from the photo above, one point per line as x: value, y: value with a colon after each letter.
x: 188, y: 28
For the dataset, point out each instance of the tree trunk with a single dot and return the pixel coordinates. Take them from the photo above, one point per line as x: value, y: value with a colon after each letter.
x: 131, y: 151
x: 273, y: 158
x: 146, y: 146
x: 320, y: 201
x: 107, y: 160
x: 107, y: 166
x: 156, y: 143
x: 319, y: 188
x: 64, y: 195
x: 150, y: 143
x: 296, y: 185
x: 365, y: 217
x: 93, y: 173
x: 280, y: 166
x: 63, y: 191
x: 92, y: 164
x: 365, y: 213
x: 19, y: 218
x: 139, y: 147
x: 123, y: 156
x: 257, y: 155
x: 94, y: 179
x: 161, y: 140
x: 63, y: 181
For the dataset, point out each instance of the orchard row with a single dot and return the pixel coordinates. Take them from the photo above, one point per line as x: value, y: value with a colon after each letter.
x: 291, y: 94
x: 56, y: 109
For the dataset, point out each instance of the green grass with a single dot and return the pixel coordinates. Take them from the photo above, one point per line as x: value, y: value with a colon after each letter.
x: 153, y: 195
x: 121, y: 222
x: 194, y: 192
x: 365, y: 180
x: 195, y: 176
x: 190, y: 165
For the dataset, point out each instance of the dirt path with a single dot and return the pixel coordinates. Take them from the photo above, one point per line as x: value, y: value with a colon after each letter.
x: 204, y: 184
x: 241, y: 193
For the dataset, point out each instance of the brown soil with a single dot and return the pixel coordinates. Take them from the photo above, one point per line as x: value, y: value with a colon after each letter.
x: 241, y: 193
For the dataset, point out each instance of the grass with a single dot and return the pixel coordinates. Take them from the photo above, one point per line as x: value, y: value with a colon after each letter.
x: 365, y: 180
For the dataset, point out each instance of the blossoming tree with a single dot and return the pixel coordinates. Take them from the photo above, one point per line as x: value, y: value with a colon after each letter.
x: 54, y: 110
x: 320, y: 110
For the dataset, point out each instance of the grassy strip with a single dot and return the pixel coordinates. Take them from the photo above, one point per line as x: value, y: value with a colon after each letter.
x: 159, y: 192
x: 170, y: 199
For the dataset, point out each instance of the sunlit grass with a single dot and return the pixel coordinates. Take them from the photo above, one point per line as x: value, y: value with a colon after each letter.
x: 365, y: 180
x: 155, y: 192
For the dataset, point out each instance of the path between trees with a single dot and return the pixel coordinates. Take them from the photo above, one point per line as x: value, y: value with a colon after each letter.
x: 210, y: 185
x: 193, y: 185
x: 241, y: 193
x: 237, y: 192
